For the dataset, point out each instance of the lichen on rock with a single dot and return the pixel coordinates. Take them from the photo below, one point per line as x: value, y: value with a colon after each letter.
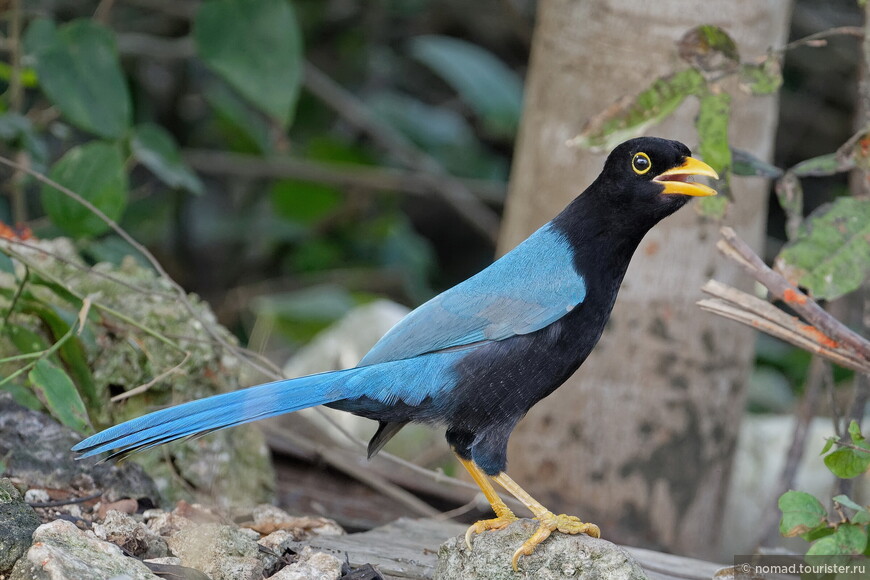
x: 579, y: 557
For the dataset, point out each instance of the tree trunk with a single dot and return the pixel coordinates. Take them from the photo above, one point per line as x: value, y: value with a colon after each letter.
x: 640, y: 440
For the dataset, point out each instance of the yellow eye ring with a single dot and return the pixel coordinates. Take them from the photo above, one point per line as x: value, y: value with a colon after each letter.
x: 640, y: 163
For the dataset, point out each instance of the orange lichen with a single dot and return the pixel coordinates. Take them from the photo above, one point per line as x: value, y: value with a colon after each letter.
x: 819, y: 337
x: 793, y: 297
x: 20, y: 232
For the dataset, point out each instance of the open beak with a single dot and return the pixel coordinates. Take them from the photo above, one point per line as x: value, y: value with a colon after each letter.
x: 676, y: 180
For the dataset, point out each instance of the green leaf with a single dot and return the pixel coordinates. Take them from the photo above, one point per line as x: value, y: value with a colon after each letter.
x: 72, y: 351
x: 96, y: 172
x: 23, y: 396
x: 761, y: 79
x: 846, y: 501
x: 746, y: 164
x: 801, y: 513
x: 59, y: 394
x: 80, y: 72
x: 710, y: 49
x: 18, y: 131
x: 154, y: 147
x: 828, y: 444
x: 25, y: 340
x: 256, y: 46
x: 855, y: 432
x: 631, y: 116
x: 847, y: 463
x: 823, y: 165
x: 830, y: 256
x: 712, y: 125
x: 848, y: 539
x: 241, y: 126
x: 483, y: 82
x: 302, y: 202
x: 303, y: 313
x: 443, y: 132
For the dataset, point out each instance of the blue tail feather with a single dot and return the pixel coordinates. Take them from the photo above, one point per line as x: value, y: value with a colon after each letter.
x: 218, y: 412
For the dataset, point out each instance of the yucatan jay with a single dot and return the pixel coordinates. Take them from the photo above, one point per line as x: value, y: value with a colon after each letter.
x: 478, y: 356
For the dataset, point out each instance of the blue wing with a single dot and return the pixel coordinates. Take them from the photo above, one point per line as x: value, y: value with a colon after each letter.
x: 529, y: 288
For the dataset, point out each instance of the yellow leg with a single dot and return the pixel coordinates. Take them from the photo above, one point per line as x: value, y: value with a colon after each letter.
x: 504, y: 516
x: 549, y: 521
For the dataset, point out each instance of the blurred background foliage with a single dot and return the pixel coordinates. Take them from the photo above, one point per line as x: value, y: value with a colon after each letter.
x: 290, y: 189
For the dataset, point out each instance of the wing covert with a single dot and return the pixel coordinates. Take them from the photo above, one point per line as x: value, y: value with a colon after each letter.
x: 527, y: 289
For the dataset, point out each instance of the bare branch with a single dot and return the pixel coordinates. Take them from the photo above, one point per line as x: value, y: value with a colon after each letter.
x: 831, y: 328
x: 342, y: 175
x: 355, y: 112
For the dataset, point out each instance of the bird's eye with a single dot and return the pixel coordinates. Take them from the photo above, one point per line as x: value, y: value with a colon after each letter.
x: 641, y: 163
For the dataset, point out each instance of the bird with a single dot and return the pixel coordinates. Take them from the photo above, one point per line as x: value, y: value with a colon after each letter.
x: 477, y: 357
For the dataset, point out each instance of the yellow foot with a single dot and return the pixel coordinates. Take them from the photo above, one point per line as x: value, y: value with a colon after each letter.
x: 550, y: 522
x: 494, y: 524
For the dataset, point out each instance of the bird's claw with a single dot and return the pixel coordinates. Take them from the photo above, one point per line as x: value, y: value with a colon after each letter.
x: 551, y: 522
x: 498, y: 523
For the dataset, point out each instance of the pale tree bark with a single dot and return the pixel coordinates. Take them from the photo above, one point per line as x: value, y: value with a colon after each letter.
x: 640, y: 440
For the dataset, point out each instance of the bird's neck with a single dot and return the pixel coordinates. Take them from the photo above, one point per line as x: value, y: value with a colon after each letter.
x: 604, y: 236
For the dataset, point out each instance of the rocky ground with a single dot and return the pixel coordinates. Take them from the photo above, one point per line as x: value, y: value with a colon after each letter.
x: 66, y: 520
x: 96, y: 539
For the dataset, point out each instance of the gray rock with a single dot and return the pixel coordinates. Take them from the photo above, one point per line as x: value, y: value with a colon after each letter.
x: 221, y: 552
x: 312, y: 565
x: 275, y: 546
x: 46, y: 459
x: 61, y: 551
x: 18, y: 522
x: 561, y: 556
x: 36, y: 496
x: 125, y: 532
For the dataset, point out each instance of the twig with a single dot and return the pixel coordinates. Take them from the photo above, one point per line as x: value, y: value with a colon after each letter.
x: 339, y: 461
x: 88, y: 270
x: 813, y: 39
x: 155, y: 47
x: 182, y: 9
x: 851, y: 446
x: 461, y: 510
x: 104, y: 9
x: 797, y: 300
x: 86, y: 305
x: 355, y: 112
x: 98, y: 306
x: 16, y: 297
x: 144, y: 387
x: 61, y: 502
x: 342, y: 175
x: 93, y: 209
x: 742, y: 307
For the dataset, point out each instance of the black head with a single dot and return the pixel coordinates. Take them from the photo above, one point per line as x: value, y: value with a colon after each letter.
x: 651, y: 175
x: 643, y: 181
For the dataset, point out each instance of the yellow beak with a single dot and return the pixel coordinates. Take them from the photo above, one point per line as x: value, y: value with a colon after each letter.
x: 676, y: 180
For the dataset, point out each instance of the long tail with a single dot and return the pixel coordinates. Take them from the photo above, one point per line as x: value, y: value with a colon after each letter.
x: 218, y: 412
